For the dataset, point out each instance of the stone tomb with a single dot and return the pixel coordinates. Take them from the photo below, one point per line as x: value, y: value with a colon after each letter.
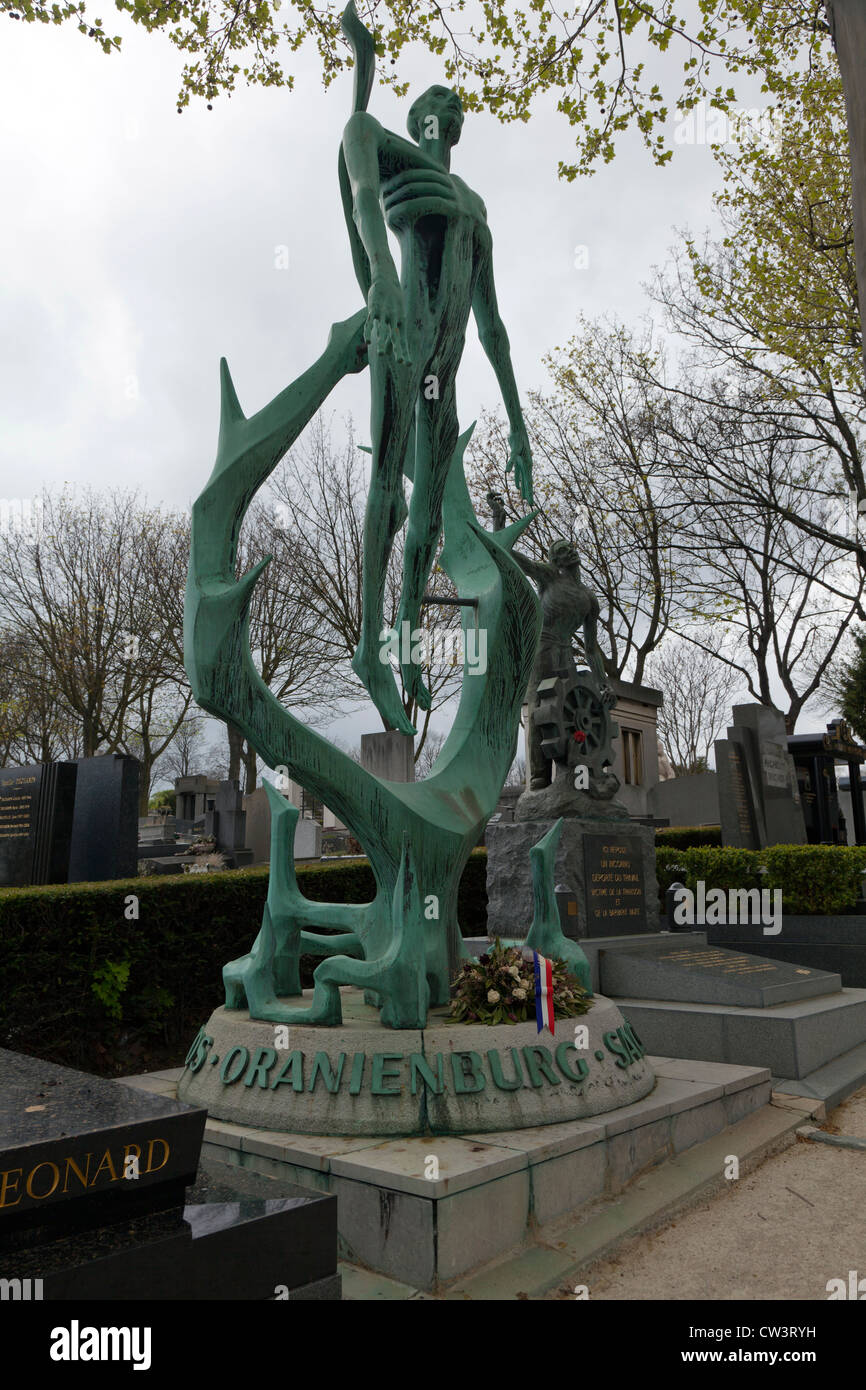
x: 94, y: 1205
x: 227, y: 824
x: 609, y: 869
x: 36, y: 818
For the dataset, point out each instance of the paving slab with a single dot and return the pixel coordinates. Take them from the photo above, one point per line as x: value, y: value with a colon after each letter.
x: 400, y: 1164
x: 722, y: 1074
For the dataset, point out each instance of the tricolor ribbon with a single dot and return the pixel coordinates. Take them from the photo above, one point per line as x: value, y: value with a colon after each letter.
x: 543, y: 992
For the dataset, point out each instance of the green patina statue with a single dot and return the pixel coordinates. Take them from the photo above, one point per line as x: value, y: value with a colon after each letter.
x: 403, y: 947
x: 415, y: 327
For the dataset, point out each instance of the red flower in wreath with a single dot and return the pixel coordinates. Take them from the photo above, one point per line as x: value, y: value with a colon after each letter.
x: 579, y: 736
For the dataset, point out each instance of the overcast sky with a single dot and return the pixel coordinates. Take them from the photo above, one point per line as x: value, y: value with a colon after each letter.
x: 139, y: 245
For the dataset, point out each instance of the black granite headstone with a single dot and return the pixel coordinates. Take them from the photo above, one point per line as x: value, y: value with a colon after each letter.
x: 66, y: 1141
x: 615, y: 888
x: 105, y: 827
x: 36, y: 810
x: 93, y: 1201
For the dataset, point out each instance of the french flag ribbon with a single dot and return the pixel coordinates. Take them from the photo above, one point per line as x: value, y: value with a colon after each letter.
x: 543, y: 992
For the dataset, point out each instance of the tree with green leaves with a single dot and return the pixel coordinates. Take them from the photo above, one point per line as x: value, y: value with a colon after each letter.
x: 606, y: 63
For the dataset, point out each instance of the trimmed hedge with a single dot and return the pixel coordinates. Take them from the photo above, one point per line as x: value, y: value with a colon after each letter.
x: 813, y: 878
x: 85, y: 985
x: 687, y: 836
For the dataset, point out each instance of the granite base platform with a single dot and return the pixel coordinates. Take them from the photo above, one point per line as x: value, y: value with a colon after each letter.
x: 427, y: 1209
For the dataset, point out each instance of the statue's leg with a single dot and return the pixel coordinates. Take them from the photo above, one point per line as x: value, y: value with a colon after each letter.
x: 393, y: 390
x: 436, y: 431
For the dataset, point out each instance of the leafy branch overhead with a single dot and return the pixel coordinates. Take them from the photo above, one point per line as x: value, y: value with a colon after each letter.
x: 603, y: 60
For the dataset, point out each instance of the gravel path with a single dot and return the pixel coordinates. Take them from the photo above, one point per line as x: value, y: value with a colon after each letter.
x: 782, y: 1231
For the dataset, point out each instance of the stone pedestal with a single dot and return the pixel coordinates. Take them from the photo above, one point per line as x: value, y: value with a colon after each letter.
x: 609, y: 868
x: 449, y: 1078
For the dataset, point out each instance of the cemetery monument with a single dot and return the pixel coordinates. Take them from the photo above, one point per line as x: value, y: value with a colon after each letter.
x: 605, y: 862
x: 371, y: 1048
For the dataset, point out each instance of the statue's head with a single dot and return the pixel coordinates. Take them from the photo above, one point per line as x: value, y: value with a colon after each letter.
x: 436, y: 114
x: 563, y: 554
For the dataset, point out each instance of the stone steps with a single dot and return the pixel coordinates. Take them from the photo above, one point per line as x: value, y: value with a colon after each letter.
x: 793, y: 1040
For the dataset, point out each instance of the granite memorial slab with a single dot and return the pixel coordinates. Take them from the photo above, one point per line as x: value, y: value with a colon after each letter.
x: 759, y: 796
x: 94, y: 1203
x: 763, y: 737
x: 615, y: 886
x: 78, y: 1150
x: 240, y: 1235
x: 836, y: 943
x: 696, y: 974
x: 36, y: 816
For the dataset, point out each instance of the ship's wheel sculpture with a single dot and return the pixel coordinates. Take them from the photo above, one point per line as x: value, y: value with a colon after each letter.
x: 574, y: 722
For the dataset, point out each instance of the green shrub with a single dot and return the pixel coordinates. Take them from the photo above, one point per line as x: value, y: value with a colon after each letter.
x: 87, y: 985
x: 687, y: 836
x: 167, y: 798
x: 813, y: 878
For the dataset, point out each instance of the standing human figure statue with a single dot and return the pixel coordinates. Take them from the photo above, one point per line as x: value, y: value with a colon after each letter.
x: 567, y: 606
x: 415, y: 331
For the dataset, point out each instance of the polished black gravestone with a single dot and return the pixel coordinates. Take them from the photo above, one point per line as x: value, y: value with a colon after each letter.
x: 36, y: 813
x: 66, y: 1144
x: 708, y: 975
x: 93, y: 1200
x: 105, y: 825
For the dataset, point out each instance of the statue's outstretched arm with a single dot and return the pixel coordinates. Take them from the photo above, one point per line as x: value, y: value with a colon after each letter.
x: 494, y: 340
x: 536, y: 570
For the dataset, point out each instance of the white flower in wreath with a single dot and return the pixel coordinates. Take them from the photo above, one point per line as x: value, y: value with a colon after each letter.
x: 492, y: 997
